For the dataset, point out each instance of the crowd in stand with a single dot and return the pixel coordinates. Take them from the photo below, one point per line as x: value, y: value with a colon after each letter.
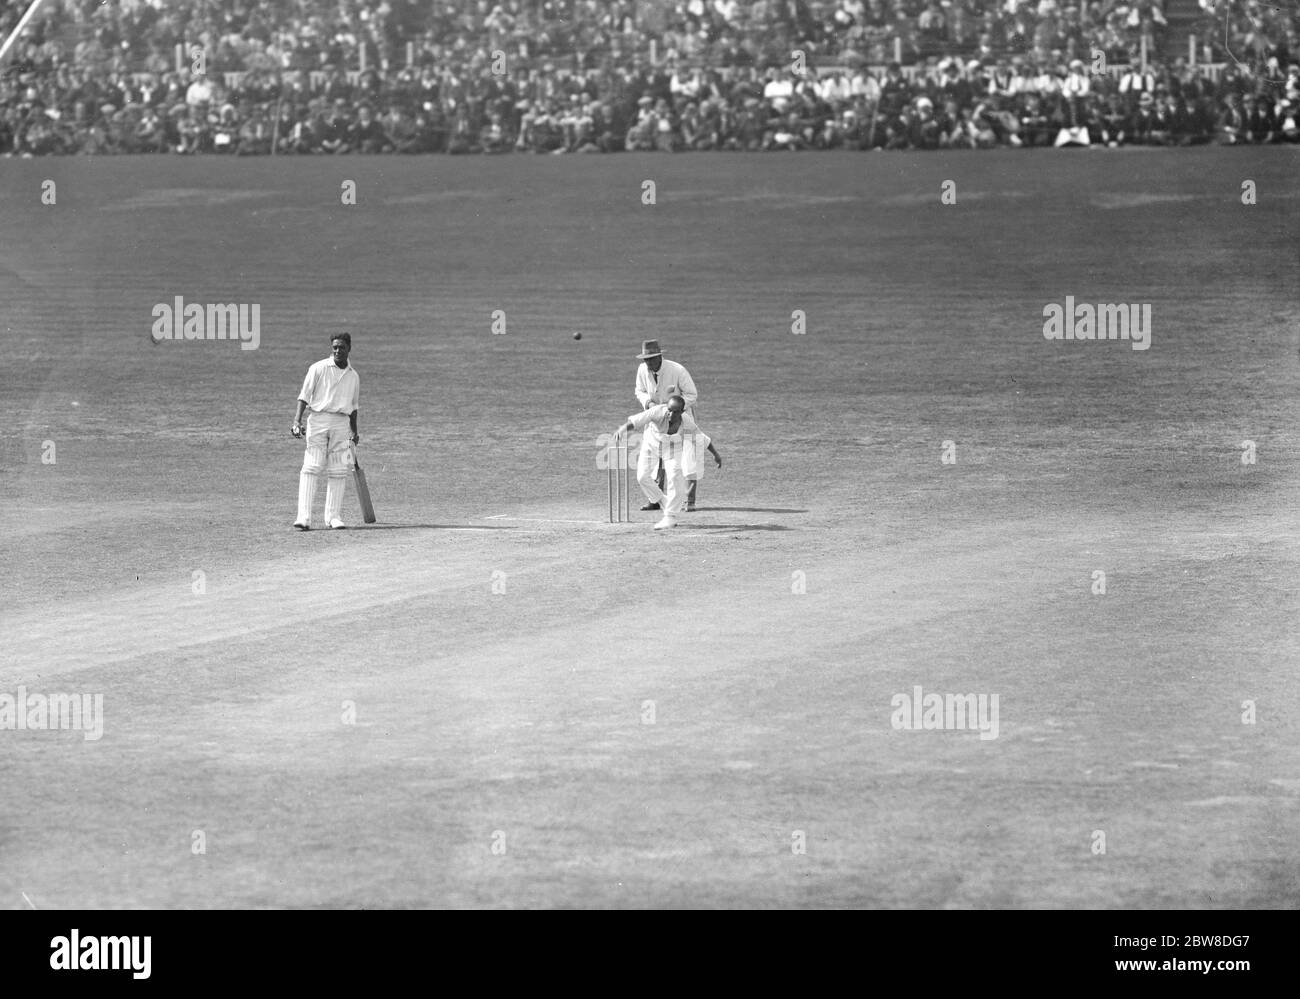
x: 557, y: 76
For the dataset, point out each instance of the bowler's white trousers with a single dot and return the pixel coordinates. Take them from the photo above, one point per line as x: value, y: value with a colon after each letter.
x: 669, y: 451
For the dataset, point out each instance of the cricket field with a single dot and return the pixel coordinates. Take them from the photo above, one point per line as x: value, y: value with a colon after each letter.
x: 494, y: 698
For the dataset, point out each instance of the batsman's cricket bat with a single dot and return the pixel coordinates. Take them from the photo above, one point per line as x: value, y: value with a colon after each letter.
x: 363, y: 490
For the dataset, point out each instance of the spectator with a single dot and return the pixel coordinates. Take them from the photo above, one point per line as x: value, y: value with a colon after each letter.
x: 1144, y: 127
x: 1260, y: 125
x: 1287, y: 127
x: 200, y: 92
x: 1133, y: 83
x: 1231, y: 128
x: 335, y: 128
x: 255, y: 134
x: 225, y: 133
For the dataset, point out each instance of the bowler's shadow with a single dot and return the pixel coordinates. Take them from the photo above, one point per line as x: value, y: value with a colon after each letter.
x: 732, y: 527
x: 745, y: 509
x: 434, y: 527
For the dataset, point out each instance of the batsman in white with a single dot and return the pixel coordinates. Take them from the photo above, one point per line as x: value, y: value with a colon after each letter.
x: 332, y: 392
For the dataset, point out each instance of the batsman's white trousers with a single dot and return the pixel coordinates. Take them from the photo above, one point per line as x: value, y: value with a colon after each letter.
x: 329, y: 444
x: 669, y: 451
x: 328, y: 450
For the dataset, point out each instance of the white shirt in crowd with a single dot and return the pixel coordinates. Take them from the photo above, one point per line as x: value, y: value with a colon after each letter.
x: 1137, y: 82
x: 199, y: 92
x: 1076, y: 85
x: 778, y: 89
x: 835, y: 87
x: 1047, y: 83
x: 684, y: 83
x: 865, y: 85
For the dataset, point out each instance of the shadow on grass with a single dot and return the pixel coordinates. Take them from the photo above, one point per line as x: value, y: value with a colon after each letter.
x: 744, y: 509
x: 732, y: 527
x: 431, y: 527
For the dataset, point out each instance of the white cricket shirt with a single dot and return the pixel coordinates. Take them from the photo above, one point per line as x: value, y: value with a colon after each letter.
x: 331, y: 389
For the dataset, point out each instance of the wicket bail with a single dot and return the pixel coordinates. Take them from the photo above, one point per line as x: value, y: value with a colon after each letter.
x: 620, y: 489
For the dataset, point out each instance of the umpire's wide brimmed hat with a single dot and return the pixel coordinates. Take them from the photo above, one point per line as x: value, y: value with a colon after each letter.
x: 649, y: 348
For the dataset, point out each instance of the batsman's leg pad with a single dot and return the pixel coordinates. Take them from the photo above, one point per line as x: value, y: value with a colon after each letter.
x: 306, y: 496
x: 313, y: 460
x: 340, y: 467
x: 334, y: 491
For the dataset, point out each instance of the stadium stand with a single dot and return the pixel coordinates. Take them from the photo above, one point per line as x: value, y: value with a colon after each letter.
x: 253, y: 77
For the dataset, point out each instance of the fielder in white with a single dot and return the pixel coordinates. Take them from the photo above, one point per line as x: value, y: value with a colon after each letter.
x: 670, y: 435
x: 332, y: 392
x: 657, y: 379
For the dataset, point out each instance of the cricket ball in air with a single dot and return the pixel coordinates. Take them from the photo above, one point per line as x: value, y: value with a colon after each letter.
x: 577, y: 336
